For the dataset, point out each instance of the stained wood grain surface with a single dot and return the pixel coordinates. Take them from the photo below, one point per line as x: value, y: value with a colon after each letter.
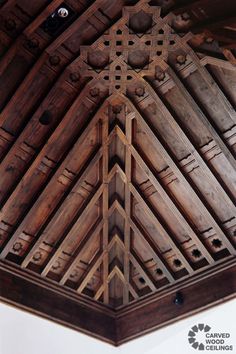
x: 117, y: 158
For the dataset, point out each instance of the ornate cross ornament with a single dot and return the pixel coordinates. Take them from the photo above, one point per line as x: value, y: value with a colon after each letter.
x: 138, y: 44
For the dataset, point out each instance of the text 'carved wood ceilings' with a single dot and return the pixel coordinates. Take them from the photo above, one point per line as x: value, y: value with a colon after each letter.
x: 117, y: 147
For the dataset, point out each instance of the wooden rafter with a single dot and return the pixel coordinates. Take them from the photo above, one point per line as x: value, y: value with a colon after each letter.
x: 74, y: 229
x: 200, y: 114
x: 204, y: 167
x: 77, y: 256
x: 53, y: 180
x: 59, y: 212
x: 128, y: 172
x: 182, y: 178
x: 105, y: 207
x: 212, y: 85
x: 171, y: 204
x: 163, y: 232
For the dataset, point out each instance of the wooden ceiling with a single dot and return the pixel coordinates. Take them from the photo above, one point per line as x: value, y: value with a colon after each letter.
x: 118, y: 170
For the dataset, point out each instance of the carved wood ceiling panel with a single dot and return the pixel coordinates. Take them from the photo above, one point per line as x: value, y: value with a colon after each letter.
x: 117, y: 146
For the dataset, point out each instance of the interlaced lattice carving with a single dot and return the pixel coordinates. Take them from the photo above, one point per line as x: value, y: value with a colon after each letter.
x: 133, y: 46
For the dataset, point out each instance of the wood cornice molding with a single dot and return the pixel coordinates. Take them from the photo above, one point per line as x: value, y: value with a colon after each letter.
x: 182, y: 284
x: 48, y: 300
x: 160, y: 310
x: 31, y: 277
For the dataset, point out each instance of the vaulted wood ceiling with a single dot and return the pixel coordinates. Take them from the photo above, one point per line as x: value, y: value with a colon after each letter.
x: 117, y: 146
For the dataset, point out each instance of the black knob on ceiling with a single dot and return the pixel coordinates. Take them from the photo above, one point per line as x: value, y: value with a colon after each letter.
x: 179, y: 298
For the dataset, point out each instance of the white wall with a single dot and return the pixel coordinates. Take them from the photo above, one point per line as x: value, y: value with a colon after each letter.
x: 23, y: 333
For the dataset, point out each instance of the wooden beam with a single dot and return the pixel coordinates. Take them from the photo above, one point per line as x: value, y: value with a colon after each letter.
x: 127, y: 233
x: 25, y: 85
x: 133, y: 292
x: 105, y: 207
x: 216, y: 61
x: 70, y: 149
x: 161, y: 190
x: 117, y: 169
x: 186, y: 141
x: 62, y: 207
x: 202, y: 117
x: 116, y: 271
x: 169, y: 201
x: 117, y: 206
x: 178, y: 173
x: 116, y: 240
x: 158, y: 258
x: 73, y: 231
x: 85, y: 243
x: 212, y: 85
x: 229, y: 56
x: 99, y: 293
x: 53, y: 179
x: 213, y: 24
x: 173, y: 207
x: 163, y: 232
x: 96, y: 263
